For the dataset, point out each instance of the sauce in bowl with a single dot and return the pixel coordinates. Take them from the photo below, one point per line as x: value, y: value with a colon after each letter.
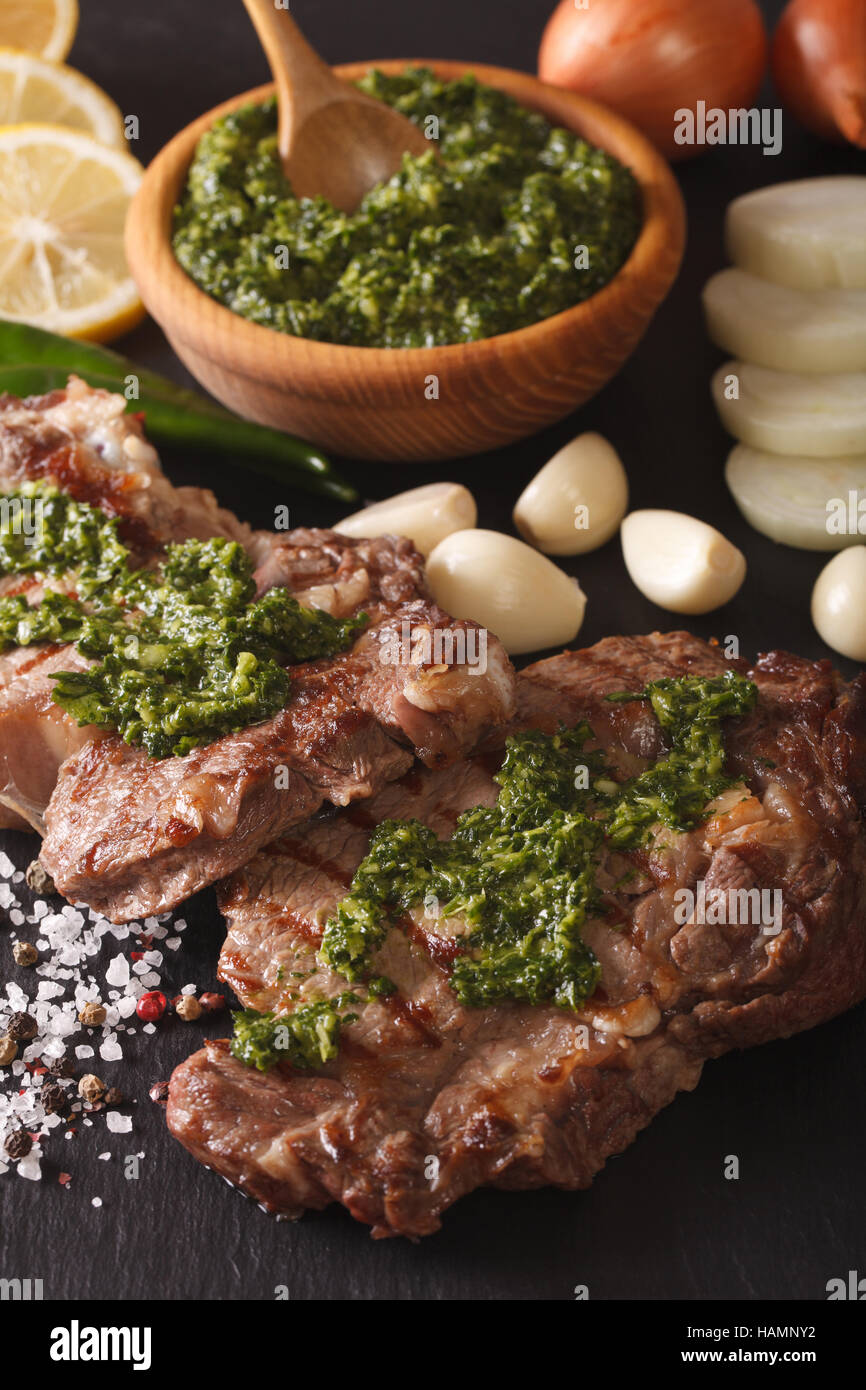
x: 507, y: 221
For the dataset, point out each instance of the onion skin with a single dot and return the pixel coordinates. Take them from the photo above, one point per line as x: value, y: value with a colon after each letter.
x: 649, y: 58
x: 819, y: 67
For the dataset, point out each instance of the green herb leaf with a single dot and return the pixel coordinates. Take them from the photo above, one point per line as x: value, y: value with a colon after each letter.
x: 309, y: 1037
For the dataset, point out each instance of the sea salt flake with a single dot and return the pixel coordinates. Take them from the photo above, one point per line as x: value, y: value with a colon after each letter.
x: 31, y: 1166
x: 118, y: 972
x: 48, y: 989
x: 118, y: 1124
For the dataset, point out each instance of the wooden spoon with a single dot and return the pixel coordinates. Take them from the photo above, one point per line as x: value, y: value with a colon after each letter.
x: 334, y: 140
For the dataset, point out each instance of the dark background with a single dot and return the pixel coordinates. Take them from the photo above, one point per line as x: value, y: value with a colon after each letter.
x: 660, y: 1222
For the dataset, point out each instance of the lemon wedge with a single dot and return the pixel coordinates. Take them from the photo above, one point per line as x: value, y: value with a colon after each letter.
x: 46, y: 27
x: 36, y: 89
x: 62, y: 264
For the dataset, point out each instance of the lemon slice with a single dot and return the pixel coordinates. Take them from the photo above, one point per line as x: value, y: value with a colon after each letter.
x: 46, y: 27
x: 35, y: 89
x: 62, y: 210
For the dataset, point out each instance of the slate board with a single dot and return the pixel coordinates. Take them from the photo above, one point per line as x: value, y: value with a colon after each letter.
x: 661, y: 1222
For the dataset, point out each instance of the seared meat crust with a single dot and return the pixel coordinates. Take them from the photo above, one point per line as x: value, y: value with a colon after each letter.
x: 428, y: 1100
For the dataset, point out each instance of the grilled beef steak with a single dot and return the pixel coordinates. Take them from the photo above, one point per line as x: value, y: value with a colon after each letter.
x: 428, y: 1100
x: 81, y: 441
x: 133, y: 835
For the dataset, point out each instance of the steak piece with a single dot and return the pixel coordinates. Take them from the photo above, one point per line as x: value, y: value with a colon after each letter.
x: 132, y: 835
x: 129, y: 834
x: 82, y: 441
x: 428, y: 1100
x: 36, y: 735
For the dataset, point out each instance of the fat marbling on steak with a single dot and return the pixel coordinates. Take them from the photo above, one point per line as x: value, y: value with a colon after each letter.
x: 428, y: 1100
x: 132, y: 835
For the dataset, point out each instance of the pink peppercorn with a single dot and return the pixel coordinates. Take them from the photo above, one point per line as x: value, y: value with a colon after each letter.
x: 151, y: 1006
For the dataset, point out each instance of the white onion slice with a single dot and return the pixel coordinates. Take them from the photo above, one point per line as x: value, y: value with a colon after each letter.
x: 791, y: 330
x: 793, y: 412
x: 810, y: 234
x: 814, y: 504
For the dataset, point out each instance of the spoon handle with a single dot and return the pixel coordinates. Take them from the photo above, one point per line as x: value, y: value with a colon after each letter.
x: 303, y: 79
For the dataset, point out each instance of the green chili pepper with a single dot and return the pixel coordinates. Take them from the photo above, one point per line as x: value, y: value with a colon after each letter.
x: 33, y: 362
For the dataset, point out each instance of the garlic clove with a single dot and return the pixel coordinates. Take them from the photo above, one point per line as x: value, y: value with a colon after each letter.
x: 791, y: 330
x: 506, y: 587
x: 577, y: 500
x: 820, y: 416
x: 809, y: 233
x: 815, y: 504
x: 839, y: 603
x: 425, y: 515
x: 679, y: 562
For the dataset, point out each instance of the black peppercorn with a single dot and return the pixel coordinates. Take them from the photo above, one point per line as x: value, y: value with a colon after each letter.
x: 61, y: 1066
x: 53, y: 1097
x: 38, y: 881
x: 22, y: 1026
x: 19, y: 1144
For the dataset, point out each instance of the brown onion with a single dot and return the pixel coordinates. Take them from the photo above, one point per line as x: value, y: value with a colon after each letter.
x: 819, y: 66
x: 650, y: 58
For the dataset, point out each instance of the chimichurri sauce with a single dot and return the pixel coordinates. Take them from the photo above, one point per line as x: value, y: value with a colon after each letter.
x: 505, y: 221
x: 521, y: 873
x: 181, y: 654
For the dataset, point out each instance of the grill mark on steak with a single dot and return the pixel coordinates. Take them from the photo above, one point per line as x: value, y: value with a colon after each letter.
x: 511, y: 1097
x: 305, y: 854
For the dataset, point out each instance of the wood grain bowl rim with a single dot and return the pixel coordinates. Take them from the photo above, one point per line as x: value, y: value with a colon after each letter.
x: 315, y: 369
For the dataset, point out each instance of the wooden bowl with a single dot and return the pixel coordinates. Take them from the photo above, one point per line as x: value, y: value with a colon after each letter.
x: 378, y: 403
